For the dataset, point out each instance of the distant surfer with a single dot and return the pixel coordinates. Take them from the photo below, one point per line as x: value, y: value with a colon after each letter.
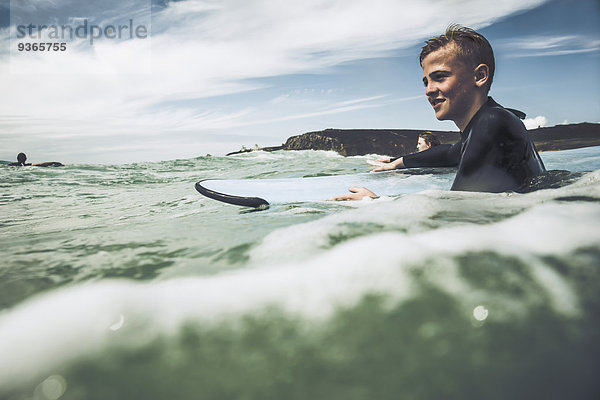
x: 495, y: 153
x: 426, y: 141
x: 22, y: 162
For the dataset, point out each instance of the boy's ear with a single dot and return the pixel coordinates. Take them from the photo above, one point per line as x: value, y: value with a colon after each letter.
x: 482, y: 74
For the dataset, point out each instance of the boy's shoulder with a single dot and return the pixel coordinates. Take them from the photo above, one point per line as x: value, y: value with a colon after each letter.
x: 499, y: 111
x: 494, y: 114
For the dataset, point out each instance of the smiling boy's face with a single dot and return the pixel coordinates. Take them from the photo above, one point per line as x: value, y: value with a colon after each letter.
x: 449, y: 86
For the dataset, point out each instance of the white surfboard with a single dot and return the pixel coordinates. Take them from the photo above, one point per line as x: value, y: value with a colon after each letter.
x: 262, y: 192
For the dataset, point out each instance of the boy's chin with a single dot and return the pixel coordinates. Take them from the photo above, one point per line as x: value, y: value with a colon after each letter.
x: 441, y: 116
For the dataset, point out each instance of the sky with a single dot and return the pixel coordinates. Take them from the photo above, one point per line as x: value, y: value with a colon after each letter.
x: 210, y: 76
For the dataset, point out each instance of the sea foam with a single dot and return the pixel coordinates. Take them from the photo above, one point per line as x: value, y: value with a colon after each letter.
x: 299, y: 270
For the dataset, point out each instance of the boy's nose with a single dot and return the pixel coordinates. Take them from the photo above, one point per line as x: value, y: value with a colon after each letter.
x: 430, y: 89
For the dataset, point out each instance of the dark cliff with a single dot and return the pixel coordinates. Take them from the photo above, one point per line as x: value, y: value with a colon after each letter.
x: 564, y: 137
x: 353, y: 142
x: 397, y: 142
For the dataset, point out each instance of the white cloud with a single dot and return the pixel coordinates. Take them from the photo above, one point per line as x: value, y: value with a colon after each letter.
x: 535, y: 46
x: 208, y: 48
x: 532, y: 123
x: 341, y: 107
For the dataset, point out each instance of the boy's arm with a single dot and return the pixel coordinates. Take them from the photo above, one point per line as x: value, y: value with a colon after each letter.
x: 444, y: 155
x: 393, y: 163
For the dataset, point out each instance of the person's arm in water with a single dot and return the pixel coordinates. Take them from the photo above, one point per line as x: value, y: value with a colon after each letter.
x: 444, y: 155
x: 48, y: 164
x: 390, y: 164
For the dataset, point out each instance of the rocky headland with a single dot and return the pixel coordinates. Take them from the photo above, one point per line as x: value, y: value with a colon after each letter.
x: 396, y: 142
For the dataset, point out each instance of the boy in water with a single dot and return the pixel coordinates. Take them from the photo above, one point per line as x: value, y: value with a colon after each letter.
x: 495, y: 153
x: 426, y: 141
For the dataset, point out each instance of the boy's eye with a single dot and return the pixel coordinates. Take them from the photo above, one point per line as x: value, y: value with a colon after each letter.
x: 439, y: 77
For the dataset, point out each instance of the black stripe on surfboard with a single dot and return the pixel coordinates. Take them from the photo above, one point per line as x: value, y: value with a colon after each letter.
x: 255, y: 202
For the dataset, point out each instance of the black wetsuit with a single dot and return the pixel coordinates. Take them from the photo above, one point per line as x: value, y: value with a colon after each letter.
x: 494, y: 154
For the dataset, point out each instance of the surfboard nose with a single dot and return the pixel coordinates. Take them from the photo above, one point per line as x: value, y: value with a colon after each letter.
x: 255, y: 202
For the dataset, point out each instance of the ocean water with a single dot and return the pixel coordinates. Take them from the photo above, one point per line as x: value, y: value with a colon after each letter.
x: 122, y: 282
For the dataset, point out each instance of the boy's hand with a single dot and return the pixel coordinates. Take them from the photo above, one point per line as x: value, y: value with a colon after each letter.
x: 379, y: 162
x: 358, y: 193
x: 390, y: 165
x: 385, y: 167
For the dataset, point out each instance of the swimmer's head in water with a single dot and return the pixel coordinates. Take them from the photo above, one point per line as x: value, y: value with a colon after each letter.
x: 21, y: 158
x: 469, y: 46
x: 426, y: 141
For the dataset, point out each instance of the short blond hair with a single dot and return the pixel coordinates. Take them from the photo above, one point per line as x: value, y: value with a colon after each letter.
x: 469, y: 46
